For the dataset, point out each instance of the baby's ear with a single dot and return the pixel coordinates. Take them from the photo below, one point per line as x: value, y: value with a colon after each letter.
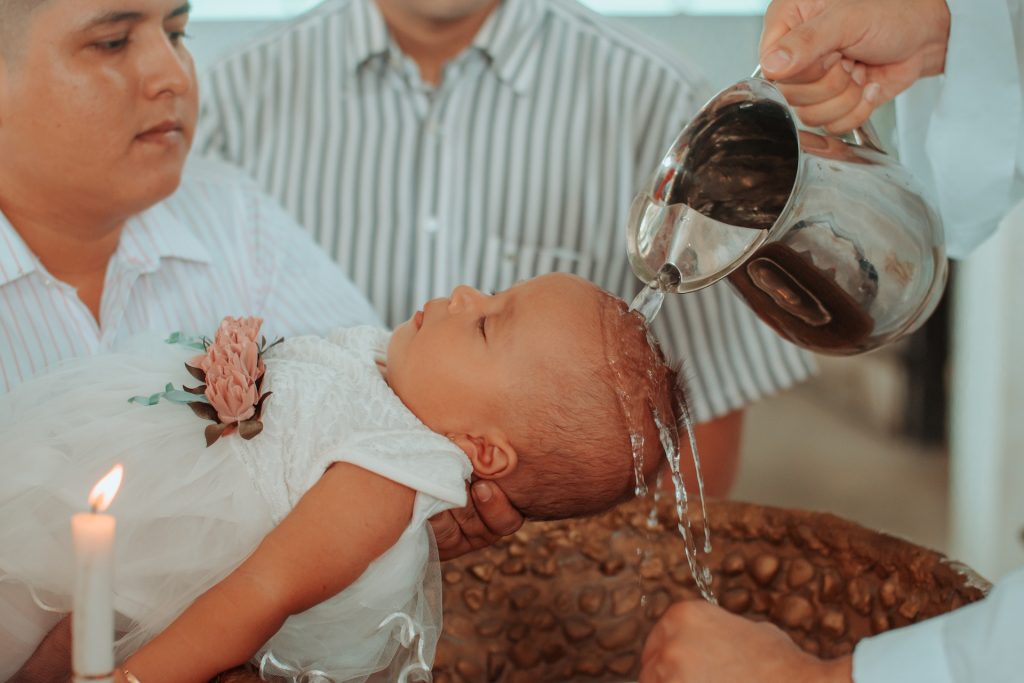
x: 492, y: 456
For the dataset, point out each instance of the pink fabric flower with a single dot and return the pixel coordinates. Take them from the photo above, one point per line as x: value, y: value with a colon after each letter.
x: 231, y: 369
x: 232, y: 393
x: 243, y: 356
x: 235, y: 330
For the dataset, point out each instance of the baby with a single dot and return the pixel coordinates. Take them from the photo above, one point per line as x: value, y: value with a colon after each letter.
x: 305, y: 547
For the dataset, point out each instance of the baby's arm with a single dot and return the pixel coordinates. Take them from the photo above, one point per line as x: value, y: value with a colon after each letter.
x: 348, y: 519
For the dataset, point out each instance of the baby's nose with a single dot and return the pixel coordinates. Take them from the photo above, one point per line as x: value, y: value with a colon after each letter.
x: 463, y: 297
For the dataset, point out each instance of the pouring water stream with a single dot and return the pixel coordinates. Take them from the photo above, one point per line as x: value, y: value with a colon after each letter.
x: 648, y: 302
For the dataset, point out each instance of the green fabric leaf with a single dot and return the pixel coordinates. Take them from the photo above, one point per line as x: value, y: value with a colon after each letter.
x: 178, y: 396
x: 169, y: 394
x: 198, y: 343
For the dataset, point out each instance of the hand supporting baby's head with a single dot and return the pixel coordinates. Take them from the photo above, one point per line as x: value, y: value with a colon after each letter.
x: 542, y: 385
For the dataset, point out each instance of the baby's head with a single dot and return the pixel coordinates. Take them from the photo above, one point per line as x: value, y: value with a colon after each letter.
x: 542, y: 385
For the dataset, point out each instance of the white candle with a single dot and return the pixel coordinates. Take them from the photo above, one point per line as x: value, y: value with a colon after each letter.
x: 92, y: 619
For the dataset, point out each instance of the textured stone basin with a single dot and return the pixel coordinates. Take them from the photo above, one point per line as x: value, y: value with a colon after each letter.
x: 574, y: 600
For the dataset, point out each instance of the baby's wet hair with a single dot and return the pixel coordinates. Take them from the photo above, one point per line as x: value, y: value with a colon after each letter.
x: 580, y: 452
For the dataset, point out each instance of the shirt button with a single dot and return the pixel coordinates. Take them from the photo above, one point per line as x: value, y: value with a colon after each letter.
x: 430, y: 225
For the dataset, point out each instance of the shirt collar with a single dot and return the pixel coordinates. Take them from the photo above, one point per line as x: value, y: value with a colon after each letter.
x: 509, y: 38
x: 148, y: 237
x: 365, y: 33
x: 16, y: 259
x: 157, y: 233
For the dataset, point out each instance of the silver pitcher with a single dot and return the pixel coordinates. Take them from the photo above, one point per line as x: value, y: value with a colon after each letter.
x: 826, y: 237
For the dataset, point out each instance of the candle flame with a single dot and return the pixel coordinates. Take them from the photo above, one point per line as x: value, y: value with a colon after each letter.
x: 102, y: 494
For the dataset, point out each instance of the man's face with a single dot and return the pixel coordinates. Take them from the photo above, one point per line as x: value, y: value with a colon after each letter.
x: 100, y: 105
x: 454, y: 363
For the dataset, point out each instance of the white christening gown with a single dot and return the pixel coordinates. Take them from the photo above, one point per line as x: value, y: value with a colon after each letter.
x: 187, y: 514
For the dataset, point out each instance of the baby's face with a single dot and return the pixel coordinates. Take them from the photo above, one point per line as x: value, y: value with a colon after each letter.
x: 454, y: 362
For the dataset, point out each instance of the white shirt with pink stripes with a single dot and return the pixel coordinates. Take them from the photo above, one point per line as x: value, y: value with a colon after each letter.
x: 218, y: 246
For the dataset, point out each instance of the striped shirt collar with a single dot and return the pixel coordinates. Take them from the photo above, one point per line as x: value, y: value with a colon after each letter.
x: 509, y: 39
x: 152, y: 235
x: 16, y: 259
x: 155, y: 234
x: 366, y: 34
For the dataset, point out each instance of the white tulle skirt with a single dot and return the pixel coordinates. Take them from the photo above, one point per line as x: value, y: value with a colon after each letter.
x: 186, y: 516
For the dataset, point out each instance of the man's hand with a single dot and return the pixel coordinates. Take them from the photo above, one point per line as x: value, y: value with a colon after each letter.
x: 836, y: 61
x: 487, y: 517
x: 695, y: 642
x: 51, y: 662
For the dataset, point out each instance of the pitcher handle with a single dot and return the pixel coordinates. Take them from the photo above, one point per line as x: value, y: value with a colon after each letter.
x: 864, y: 136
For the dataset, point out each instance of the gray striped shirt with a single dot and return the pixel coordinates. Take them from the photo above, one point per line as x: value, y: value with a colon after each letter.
x: 523, y: 161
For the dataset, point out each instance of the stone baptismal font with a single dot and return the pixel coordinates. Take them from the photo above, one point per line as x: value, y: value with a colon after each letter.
x: 574, y: 600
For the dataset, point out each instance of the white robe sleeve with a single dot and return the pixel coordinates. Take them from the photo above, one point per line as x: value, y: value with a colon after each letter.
x: 961, y: 133
x: 979, y: 643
